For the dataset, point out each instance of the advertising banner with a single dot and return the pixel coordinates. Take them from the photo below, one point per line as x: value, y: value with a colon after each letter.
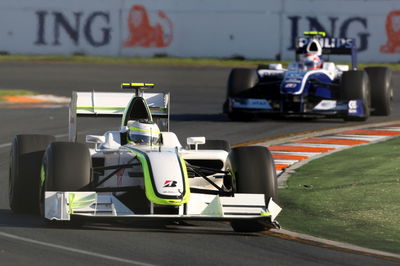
x: 255, y: 29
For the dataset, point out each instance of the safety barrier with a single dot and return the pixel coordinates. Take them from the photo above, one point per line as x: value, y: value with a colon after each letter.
x: 262, y: 29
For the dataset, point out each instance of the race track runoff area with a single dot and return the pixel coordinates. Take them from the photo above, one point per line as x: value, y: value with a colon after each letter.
x: 351, y: 196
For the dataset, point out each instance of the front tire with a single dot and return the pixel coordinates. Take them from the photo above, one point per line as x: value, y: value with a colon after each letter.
x: 253, y: 171
x: 24, y: 175
x: 66, y: 167
x: 355, y: 85
x: 240, y: 80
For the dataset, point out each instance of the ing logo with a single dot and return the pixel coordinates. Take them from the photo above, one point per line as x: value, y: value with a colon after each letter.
x: 393, y: 33
x: 144, y: 33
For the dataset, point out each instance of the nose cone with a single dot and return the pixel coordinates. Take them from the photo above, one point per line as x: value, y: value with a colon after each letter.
x: 314, y: 47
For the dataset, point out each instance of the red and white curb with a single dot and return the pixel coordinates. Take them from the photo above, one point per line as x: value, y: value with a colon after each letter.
x: 292, y: 152
x: 296, y: 151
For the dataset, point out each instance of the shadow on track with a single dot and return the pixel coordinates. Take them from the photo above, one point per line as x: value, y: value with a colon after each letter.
x: 224, y: 118
x: 11, y: 220
x: 200, y: 117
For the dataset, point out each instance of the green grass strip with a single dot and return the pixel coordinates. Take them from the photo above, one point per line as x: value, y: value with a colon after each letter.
x: 227, y: 62
x: 350, y: 196
x: 4, y: 93
x: 16, y: 92
x: 133, y: 60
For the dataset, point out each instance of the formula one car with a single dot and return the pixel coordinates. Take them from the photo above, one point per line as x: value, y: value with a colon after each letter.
x: 140, y: 172
x: 311, y: 87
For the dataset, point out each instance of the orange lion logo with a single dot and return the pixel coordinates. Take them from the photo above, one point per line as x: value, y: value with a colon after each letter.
x: 143, y: 34
x: 393, y: 33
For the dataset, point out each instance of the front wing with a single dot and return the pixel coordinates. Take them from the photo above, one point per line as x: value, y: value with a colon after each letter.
x: 335, y: 108
x: 105, y: 206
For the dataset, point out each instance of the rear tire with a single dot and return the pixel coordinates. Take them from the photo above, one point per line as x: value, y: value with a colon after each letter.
x: 355, y: 85
x: 67, y: 167
x: 381, y: 89
x: 24, y: 176
x: 253, y: 171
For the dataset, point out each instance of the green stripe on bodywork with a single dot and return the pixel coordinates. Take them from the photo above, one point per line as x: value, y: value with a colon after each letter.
x: 94, y: 108
x: 149, y: 189
x: 78, y: 202
x: 186, y: 197
x: 265, y: 214
x: 149, y: 186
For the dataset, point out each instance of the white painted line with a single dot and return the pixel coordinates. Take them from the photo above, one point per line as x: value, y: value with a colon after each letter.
x: 6, y: 145
x: 384, y: 128
x: 60, y: 136
x: 290, y: 162
x: 390, y: 128
x: 74, y: 250
x: 359, y: 137
x: 314, y: 145
x: 298, y: 153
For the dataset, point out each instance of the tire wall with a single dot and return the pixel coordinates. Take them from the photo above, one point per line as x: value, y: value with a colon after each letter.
x: 254, y: 29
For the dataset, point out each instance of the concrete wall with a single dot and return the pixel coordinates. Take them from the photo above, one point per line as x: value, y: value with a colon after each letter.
x: 263, y: 29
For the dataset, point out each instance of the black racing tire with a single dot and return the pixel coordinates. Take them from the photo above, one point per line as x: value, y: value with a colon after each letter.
x: 24, y: 173
x: 253, y: 171
x: 380, y: 79
x: 215, y: 144
x: 355, y: 85
x: 66, y: 167
x: 241, y: 79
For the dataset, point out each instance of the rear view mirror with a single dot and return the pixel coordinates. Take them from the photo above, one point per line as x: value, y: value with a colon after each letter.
x: 195, y: 141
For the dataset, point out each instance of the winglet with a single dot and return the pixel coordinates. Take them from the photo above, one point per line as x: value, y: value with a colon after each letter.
x: 136, y: 85
x: 315, y: 33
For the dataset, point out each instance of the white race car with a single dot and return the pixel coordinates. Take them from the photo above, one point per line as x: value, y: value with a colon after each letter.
x: 140, y: 172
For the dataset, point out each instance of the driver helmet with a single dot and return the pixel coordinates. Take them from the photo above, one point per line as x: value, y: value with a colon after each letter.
x: 312, y: 61
x: 143, y: 132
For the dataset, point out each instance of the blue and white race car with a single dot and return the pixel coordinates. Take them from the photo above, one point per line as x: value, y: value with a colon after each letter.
x: 311, y: 87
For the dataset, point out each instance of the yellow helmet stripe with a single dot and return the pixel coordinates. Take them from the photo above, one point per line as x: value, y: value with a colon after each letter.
x: 145, y: 130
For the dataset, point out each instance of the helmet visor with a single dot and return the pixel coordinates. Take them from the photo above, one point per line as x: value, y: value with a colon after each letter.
x: 312, y: 62
x: 143, y: 139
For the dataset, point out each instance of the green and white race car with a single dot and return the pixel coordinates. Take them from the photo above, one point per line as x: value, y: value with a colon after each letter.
x: 140, y: 172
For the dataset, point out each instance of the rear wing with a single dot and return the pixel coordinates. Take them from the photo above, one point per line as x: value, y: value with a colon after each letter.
x: 330, y: 46
x: 103, y: 104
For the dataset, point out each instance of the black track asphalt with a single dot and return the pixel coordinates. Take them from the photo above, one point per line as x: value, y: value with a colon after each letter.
x: 197, y: 94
